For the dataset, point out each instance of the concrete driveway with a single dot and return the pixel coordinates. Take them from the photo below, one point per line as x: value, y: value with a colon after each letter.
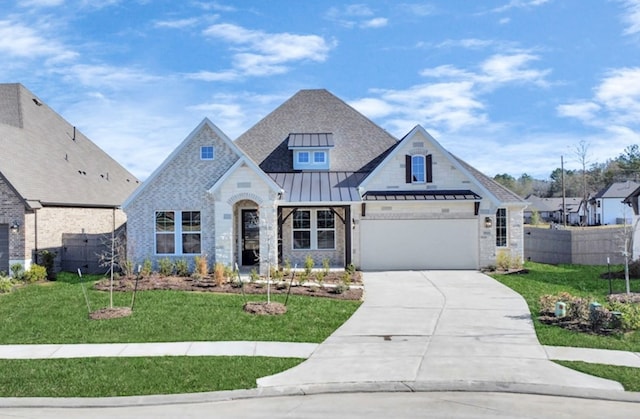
x: 436, y: 330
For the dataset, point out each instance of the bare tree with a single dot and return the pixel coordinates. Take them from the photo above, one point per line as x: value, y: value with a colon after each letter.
x: 582, y: 152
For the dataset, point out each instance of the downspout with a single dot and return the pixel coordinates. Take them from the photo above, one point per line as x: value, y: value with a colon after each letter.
x: 35, y: 234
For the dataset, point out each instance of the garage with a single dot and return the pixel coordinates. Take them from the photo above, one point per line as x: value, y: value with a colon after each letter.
x: 418, y: 244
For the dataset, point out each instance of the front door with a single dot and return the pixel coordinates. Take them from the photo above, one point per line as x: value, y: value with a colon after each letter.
x: 250, y: 237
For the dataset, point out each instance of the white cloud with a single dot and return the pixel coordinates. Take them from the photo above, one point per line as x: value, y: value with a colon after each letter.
x: 176, y: 24
x: 118, y: 78
x: 259, y: 53
x: 519, y: 4
x: 501, y: 69
x: 377, y: 22
x: 470, y: 43
x: 210, y: 76
x: 417, y: 9
x: 40, y: 3
x: 616, y: 101
x: 632, y: 16
x: 19, y: 40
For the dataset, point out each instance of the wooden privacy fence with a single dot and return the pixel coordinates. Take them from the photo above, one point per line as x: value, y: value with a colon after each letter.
x: 580, y: 245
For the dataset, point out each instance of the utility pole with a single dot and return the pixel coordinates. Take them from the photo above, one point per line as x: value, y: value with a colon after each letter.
x: 564, y: 206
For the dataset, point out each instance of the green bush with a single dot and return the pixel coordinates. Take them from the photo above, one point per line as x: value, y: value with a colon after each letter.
x: 48, y: 261
x: 308, y: 264
x: 6, y: 285
x: 147, y: 268
x: 17, y: 271
x: 630, y: 315
x: 182, y: 267
x: 35, y: 273
x: 165, y: 266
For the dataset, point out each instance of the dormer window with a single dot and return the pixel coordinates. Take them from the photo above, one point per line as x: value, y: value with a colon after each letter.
x: 311, y: 151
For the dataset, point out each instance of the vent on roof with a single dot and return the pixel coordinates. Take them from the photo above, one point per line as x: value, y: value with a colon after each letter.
x: 37, y: 101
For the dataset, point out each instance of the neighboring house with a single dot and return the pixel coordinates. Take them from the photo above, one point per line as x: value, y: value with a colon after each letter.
x: 317, y: 178
x: 607, y: 206
x: 550, y: 210
x: 53, y: 180
x: 633, y: 201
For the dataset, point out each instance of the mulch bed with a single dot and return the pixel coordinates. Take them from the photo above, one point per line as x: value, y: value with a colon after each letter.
x: 207, y: 284
x: 110, y: 313
x: 264, y: 308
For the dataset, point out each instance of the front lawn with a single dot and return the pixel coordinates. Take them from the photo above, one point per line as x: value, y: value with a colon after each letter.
x: 107, y: 377
x: 578, y: 280
x: 56, y: 312
x: 627, y: 376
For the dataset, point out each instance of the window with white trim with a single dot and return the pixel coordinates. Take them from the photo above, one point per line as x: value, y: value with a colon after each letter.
x: 207, y: 152
x: 314, y: 230
x: 319, y: 157
x: 178, y: 233
x: 303, y: 157
x: 417, y: 169
x: 501, y: 227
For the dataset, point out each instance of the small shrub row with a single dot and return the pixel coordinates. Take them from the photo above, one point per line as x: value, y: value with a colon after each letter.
x: 617, y: 315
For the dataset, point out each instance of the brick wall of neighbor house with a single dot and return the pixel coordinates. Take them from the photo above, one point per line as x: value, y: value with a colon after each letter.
x: 11, y: 210
x: 52, y: 222
x: 336, y: 256
x: 182, y: 185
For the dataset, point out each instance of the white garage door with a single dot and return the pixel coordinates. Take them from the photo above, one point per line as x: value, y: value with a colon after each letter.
x: 418, y: 244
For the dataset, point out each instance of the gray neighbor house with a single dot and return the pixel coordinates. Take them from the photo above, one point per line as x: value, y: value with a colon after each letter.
x: 53, y: 181
x: 317, y: 178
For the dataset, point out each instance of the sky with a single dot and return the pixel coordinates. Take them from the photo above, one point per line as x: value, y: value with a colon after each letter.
x: 509, y: 86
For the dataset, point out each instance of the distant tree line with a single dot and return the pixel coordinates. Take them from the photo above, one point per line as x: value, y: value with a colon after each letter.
x: 589, y: 180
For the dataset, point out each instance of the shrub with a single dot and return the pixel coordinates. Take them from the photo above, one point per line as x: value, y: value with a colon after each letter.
x: 346, y: 279
x: 308, y: 264
x: 326, y: 266
x: 147, y: 268
x: 229, y: 272
x: 6, y: 285
x: 320, y: 276
x: 127, y: 267
x: 339, y: 289
x: 503, y: 260
x: 351, y: 269
x: 17, y: 271
x: 275, y: 273
x: 35, y: 273
x: 48, y: 261
x: 218, y: 273
x: 182, y: 267
x: 201, y: 268
x: 165, y: 266
x: 629, y: 315
x: 253, y: 275
x: 286, y: 268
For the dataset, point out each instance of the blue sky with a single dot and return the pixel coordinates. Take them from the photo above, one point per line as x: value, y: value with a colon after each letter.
x: 507, y: 85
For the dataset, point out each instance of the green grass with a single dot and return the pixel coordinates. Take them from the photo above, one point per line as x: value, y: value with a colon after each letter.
x: 629, y: 377
x: 104, y: 377
x: 579, y: 280
x: 56, y: 312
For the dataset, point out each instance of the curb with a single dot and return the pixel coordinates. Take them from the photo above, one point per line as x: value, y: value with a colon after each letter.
x: 314, y: 389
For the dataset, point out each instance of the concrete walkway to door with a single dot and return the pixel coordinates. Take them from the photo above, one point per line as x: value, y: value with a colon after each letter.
x: 436, y: 330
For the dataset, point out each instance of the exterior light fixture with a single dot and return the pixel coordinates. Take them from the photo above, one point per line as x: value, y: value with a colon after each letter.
x: 15, y: 226
x: 488, y: 222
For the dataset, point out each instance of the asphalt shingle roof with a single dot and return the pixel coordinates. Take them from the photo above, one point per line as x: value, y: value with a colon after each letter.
x: 47, y: 160
x: 359, y: 143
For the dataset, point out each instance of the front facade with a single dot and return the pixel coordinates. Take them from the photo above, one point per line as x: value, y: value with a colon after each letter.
x: 317, y: 179
x: 53, y: 181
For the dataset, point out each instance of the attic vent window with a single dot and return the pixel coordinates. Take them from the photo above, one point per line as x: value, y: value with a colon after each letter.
x: 207, y: 152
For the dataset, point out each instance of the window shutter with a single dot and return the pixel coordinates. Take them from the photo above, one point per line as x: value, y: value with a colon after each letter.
x: 407, y: 167
x: 429, y: 168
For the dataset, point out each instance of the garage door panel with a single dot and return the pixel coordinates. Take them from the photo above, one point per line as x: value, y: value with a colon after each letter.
x: 419, y: 244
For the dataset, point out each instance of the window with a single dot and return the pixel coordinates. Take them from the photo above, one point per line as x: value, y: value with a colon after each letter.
x: 165, y: 232
x: 419, y: 168
x: 303, y: 157
x: 207, y: 152
x: 319, y: 156
x: 326, y: 229
x: 314, y: 230
x: 191, y: 232
x: 178, y: 232
x: 302, y: 230
x: 501, y: 227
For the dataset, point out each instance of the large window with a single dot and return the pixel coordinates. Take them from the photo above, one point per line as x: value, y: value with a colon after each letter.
x: 501, y: 227
x: 178, y: 232
x: 314, y: 230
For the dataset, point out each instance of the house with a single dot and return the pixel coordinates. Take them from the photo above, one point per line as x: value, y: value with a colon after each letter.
x: 633, y: 201
x: 53, y: 181
x: 607, y: 206
x: 550, y: 210
x: 317, y: 178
